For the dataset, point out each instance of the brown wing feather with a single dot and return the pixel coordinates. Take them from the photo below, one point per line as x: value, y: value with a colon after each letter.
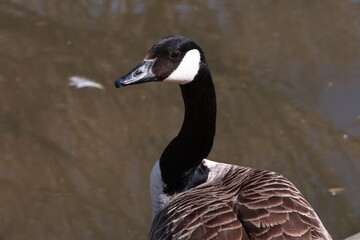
x: 240, y: 203
x: 270, y: 207
x: 199, y: 217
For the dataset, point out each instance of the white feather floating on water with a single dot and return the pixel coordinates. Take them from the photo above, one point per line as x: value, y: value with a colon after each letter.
x: 81, y: 82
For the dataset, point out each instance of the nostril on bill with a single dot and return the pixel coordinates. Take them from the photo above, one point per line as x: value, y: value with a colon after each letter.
x: 138, y: 72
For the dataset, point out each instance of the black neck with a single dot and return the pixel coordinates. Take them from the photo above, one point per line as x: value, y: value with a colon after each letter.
x: 180, y: 162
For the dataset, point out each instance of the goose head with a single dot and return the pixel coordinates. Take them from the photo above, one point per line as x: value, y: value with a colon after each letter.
x: 174, y: 59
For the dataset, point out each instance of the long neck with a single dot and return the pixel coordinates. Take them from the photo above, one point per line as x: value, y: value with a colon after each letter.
x: 180, y: 162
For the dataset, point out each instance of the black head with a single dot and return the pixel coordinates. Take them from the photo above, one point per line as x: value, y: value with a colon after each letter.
x: 173, y: 59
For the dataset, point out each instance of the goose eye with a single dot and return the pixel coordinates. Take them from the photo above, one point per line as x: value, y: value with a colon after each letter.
x: 175, y: 54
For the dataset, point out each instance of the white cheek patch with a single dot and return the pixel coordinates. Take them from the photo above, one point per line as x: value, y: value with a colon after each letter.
x: 187, y: 69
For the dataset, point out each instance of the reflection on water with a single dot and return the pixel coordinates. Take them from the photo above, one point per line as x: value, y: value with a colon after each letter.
x: 75, y: 163
x: 340, y: 103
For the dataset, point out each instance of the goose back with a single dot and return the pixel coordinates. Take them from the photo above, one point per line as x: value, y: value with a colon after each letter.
x: 239, y: 203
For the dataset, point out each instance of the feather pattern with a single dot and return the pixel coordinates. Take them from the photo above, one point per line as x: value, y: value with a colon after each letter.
x: 238, y: 203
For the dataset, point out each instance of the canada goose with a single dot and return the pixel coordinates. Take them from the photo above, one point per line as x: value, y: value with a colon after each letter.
x: 195, y: 198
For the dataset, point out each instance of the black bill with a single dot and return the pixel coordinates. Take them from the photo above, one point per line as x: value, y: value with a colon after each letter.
x: 140, y: 74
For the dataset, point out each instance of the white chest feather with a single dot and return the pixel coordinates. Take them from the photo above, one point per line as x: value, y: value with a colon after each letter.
x: 158, y: 197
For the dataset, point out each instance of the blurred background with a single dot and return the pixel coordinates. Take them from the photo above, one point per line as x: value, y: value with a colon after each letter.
x: 75, y: 162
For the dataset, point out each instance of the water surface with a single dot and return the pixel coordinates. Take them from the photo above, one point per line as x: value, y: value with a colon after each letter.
x: 75, y: 163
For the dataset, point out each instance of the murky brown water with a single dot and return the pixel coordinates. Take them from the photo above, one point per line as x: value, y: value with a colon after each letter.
x: 75, y: 163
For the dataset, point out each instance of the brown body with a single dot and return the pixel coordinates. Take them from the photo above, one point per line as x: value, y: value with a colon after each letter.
x: 239, y: 203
